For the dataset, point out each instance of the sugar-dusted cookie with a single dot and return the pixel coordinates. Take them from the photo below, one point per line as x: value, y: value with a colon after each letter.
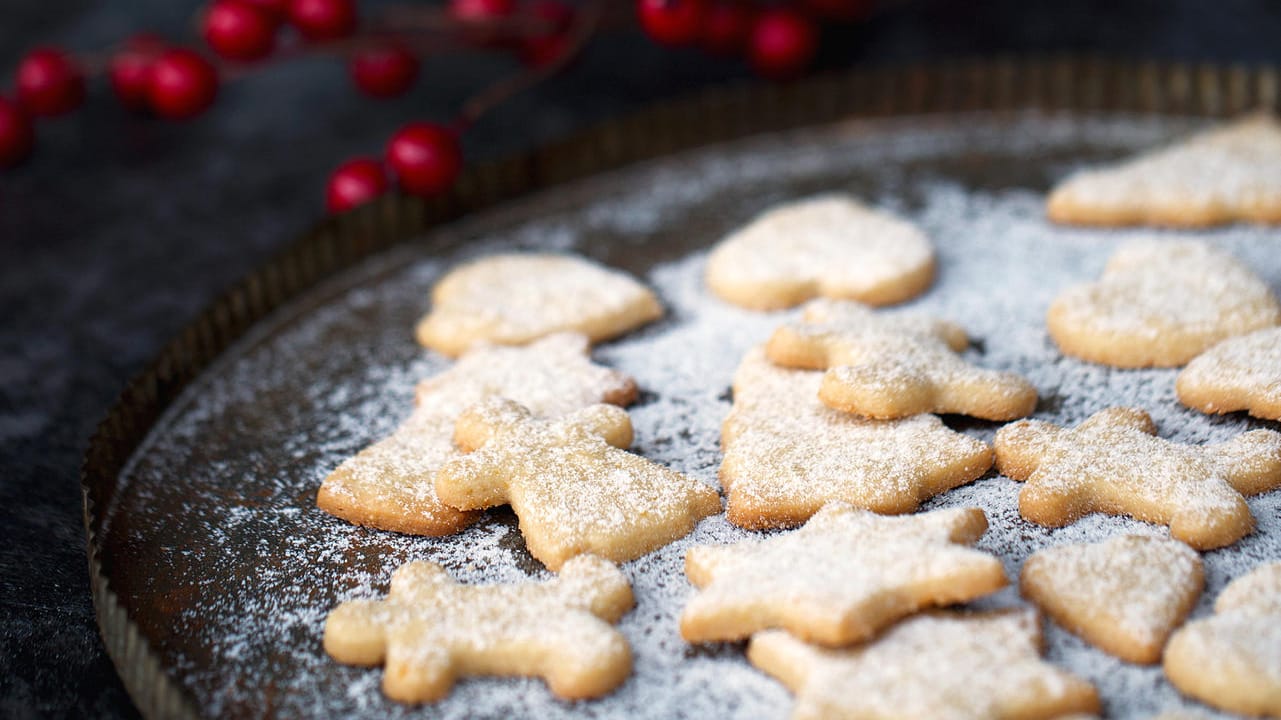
x: 1160, y: 303
x: 786, y: 454
x: 894, y: 365
x: 1114, y: 463
x: 1124, y: 595
x: 1232, y: 660
x: 831, y: 246
x: 389, y: 485
x: 841, y: 578
x: 430, y: 631
x: 1226, y: 174
x: 573, y: 488
x: 515, y: 298
x: 1240, y: 373
x: 959, y: 666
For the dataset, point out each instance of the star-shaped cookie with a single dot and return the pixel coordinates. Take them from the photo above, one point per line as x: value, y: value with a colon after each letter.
x: 1240, y: 373
x: 1124, y: 595
x: 1226, y: 174
x: 841, y: 578
x: 944, y: 665
x: 573, y: 488
x: 1114, y: 463
x: 787, y: 455
x: 1160, y: 303
x: 516, y: 298
x: 830, y: 246
x: 389, y: 485
x: 430, y: 630
x: 895, y: 365
x: 1232, y: 659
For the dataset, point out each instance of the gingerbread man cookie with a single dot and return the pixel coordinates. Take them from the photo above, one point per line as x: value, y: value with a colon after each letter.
x: 831, y: 246
x: 1114, y: 463
x: 1241, y: 373
x: 1124, y: 595
x: 888, y: 366
x: 787, y: 455
x: 389, y: 485
x: 841, y: 578
x: 430, y: 631
x: 1226, y: 174
x: 519, y: 297
x: 1160, y: 303
x: 1232, y: 659
x: 573, y: 488
x: 958, y: 666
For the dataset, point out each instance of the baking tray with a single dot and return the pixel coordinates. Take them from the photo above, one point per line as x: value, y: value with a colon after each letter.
x: 212, y: 569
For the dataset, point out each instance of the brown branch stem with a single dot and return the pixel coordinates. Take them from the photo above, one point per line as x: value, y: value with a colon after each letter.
x: 499, y: 92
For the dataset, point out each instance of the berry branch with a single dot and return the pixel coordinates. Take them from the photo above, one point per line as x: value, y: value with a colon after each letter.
x: 148, y: 74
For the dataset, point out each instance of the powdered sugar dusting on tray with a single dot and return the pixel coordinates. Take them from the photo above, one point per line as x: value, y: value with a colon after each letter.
x: 218, y: 513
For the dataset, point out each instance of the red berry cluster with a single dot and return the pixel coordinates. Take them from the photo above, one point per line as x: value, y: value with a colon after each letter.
x: 147, y: 73
x: 779, y: 39
x: 425, y: 158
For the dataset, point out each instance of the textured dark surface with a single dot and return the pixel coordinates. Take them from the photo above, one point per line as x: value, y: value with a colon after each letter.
x: 121, y: 228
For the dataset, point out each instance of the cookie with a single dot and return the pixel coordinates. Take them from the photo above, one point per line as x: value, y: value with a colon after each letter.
x: 1226, y: 174
x: 960, y: 666
x: 431, y: 631
x: 389, y: 485
x: 787, y: 455
x: 830, y: 246
x: 516, y: 298
x: 1232, y: 659
x: 1241, y: 373
x: 1113, y: 463
x: 1160, y: 303
x: 841, y: 578
x: 1124, y: 595
x: 573, y: 488
x: 888, y: 366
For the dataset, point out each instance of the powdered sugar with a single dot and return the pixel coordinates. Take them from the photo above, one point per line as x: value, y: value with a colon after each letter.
x: 217, y: 510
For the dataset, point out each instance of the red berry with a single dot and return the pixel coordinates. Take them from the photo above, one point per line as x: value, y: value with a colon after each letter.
x: 130, y: 69
x: 726, y: 26
x: 481, y: 10
x: 425, y: 158
x: 671, y: 22
x: 16, y: 134
x: 843, y: 10
x: 783, y: 43
x: 384, y: 71
x: 355, y: 182
x: 547, y: 46
x: 320, y: 20
x: 239, y: 31
x: 183, y: 84
x: 49, y: 82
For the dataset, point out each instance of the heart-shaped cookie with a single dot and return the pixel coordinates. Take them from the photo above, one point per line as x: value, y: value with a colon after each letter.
x: 1160, y: 303
x: 831, y: 246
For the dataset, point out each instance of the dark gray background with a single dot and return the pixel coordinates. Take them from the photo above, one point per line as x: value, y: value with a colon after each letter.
x: 121, y: 228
